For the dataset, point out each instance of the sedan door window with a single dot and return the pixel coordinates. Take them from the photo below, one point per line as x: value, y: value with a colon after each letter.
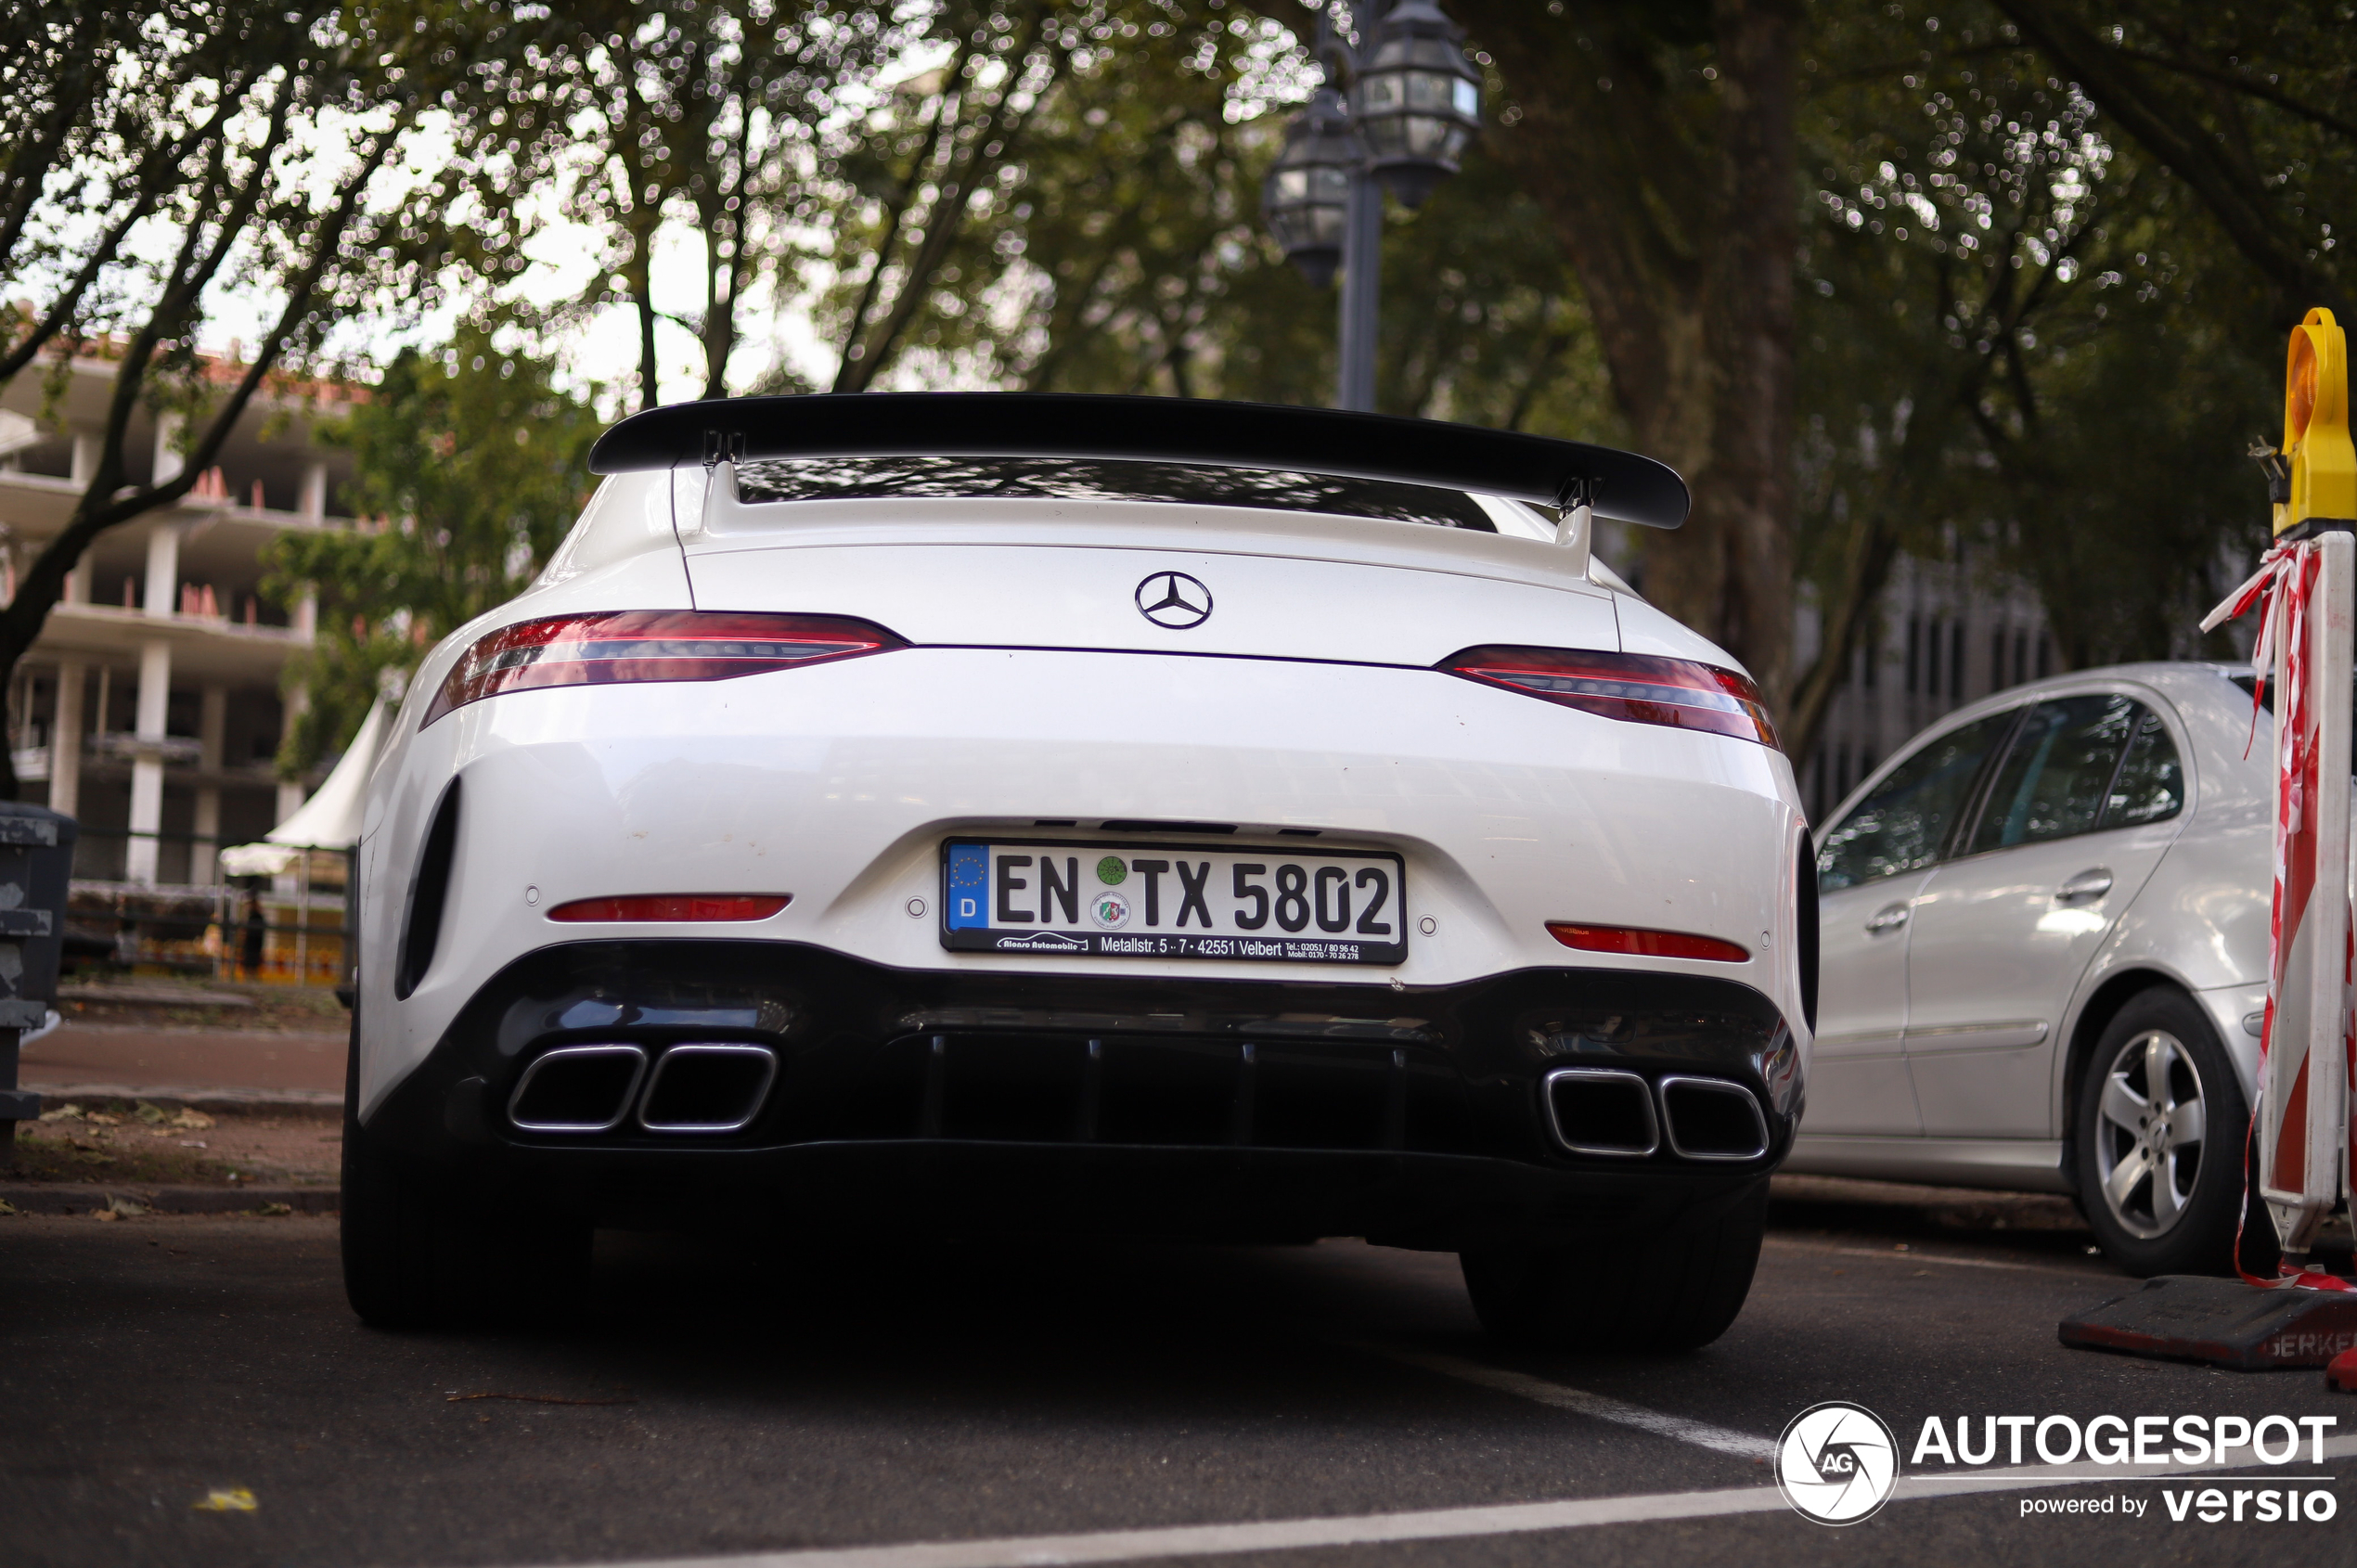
x: 2058, y: 773
x: 1904, y: 824
x: 2151, y: 786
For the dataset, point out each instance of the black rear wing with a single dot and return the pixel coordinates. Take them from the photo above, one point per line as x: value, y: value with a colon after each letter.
x: 1167, y: 430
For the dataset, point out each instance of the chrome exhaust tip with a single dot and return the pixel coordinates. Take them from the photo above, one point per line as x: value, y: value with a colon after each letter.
x: 1712, y: 1119
x: 578, y: 1089
x: 707, y: 1088
x: 1601, y: 1111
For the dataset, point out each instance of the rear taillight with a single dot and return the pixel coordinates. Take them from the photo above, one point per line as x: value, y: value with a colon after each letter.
x: 651, y: 644
x: 1639, y: 687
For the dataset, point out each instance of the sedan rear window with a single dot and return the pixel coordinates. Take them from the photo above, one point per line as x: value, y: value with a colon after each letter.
x: 2151, y: 786
x: 1066, y: 479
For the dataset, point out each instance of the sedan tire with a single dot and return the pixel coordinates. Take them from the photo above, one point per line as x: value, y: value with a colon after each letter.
x: 1678, y: 1289
x: 2157, y: 1137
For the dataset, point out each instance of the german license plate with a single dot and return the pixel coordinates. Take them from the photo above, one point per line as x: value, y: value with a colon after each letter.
x: 1165, y: 900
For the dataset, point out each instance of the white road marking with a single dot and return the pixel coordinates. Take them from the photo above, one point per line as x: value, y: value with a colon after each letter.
x: 1428, y: 1524
x: 1888, y: 1256
x: 1724, y: 1440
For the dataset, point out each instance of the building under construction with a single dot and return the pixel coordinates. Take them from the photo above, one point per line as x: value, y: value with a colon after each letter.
x: 152, y: 707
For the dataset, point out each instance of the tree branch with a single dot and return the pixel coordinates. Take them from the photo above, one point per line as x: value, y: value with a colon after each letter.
x: 2247, y: 87
x: 101, y: 509
x: 849, y: 376
x: 2172, y: 136
x: 948, y: 214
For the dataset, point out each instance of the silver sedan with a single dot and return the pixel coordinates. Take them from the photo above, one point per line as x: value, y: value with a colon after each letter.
x: 2043, y: 948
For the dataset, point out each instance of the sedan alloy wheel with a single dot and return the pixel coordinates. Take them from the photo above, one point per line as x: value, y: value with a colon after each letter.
x: 2149, y: 1133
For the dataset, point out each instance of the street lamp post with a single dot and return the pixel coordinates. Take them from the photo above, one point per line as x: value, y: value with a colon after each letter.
x: 1414, y: 101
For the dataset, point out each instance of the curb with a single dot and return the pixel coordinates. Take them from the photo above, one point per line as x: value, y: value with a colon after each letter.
x: 198, y: 1097
x: 47, y: 1198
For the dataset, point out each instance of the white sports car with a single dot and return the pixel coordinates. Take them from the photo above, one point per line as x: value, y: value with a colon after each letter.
x: 929, y: 814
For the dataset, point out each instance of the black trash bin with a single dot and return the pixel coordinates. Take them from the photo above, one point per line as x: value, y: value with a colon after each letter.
x: 36, y: 862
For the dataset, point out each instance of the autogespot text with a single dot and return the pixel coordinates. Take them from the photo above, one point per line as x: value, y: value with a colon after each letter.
x: 2191, y: 1441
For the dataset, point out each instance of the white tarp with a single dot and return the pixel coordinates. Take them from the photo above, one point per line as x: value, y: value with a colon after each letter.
x: 330, y: 818
x: 17, y: 433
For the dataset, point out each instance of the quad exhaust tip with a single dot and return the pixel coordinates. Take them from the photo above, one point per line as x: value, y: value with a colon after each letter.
x: 690, y: 1088
x: 578, y: 1089
x: 1601, y: 1111
x: 1611, y: 1112
x: 715, y: 1089
x: 1712, y: 1119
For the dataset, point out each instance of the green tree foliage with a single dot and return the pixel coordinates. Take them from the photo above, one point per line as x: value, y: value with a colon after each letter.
x: 2018, y: 332
x: 1482, y: 319
x: 1125, y: 179
x: 2248, y: 107
x: 706, y: 117
x: 1122, y: 250
x: 156, y: 155
x: 474, y: 466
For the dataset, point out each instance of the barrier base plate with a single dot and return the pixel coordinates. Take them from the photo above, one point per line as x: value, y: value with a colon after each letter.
x: 2223, y: 1322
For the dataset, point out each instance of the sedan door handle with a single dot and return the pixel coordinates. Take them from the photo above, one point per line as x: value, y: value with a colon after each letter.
x: 1890, y: 916
x: 2084, y: 887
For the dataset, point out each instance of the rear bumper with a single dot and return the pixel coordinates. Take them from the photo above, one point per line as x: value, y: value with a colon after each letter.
x: 926, y: 1100
x: 838, y: 785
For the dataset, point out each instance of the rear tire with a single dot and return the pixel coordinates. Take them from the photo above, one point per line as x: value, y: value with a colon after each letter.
x: 419, y: 1256
x: 1679, y: 1289
x: 2127, y: 1140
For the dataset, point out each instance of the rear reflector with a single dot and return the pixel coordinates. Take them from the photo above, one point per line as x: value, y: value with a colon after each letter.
x: 650, y: 645
x: 676, y: 906
x: 1646, y: 944
x: 1636, y: 687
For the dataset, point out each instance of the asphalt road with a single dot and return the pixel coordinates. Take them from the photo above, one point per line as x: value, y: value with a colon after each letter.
x: 741, y: 1396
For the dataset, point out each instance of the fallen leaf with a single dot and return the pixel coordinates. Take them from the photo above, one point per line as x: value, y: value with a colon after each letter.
x: 6, y: 1208
x: 229, y: 1499
x: 63, y: 1113
x: 106, y: 1214
x: 194, y: 1121
x: 192, y: 1143
x: 124, y: 1208
x: 101, y: 1119
x: 272, y: 1211
x: 148, y: 1113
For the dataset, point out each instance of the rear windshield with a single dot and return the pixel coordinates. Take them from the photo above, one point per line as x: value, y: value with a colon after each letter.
x: 1066, y: 479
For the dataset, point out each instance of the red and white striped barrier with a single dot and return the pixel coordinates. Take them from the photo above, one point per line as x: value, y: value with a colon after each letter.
x: 2306, y: 590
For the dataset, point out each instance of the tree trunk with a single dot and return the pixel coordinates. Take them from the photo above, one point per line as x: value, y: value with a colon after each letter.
x: 1678, y: 203
x: 642, y: 298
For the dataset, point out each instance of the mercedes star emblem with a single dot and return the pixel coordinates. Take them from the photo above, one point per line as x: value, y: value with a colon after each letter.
x: 1174, y: 599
